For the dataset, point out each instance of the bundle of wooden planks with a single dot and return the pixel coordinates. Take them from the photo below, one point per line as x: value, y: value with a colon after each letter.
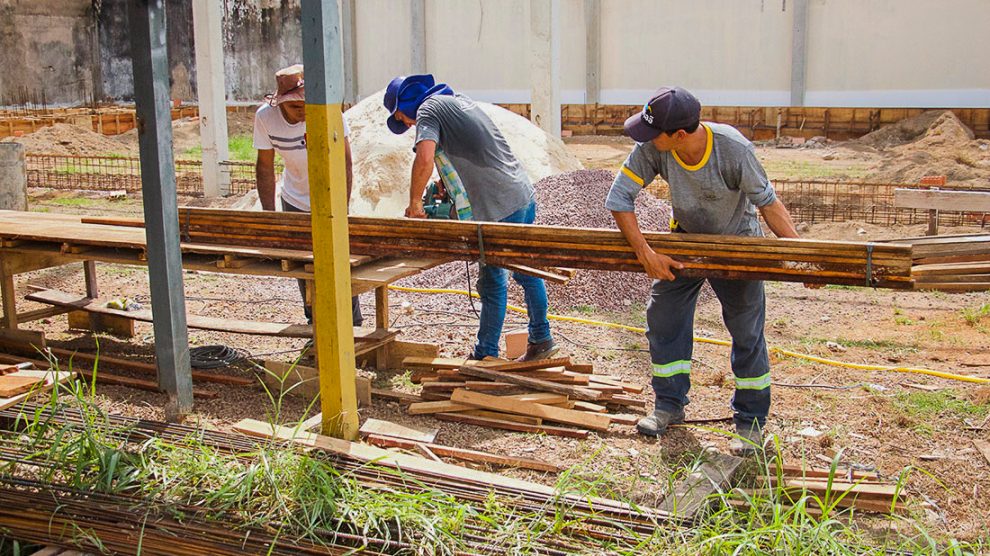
x: 823, y: 262
x: 523, y: 397
x: 952, y: 263
x: 822, y: 487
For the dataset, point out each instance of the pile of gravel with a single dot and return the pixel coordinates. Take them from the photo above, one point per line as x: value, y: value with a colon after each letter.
x: 577, y: 199
x: 572, y: 199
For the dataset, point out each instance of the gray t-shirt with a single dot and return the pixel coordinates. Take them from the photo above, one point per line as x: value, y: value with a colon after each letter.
x: 719, y: 195
x: 496, y: 183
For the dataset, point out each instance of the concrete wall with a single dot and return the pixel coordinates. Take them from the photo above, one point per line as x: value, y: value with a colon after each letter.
x: 876, y: 53
x: 47, y: 51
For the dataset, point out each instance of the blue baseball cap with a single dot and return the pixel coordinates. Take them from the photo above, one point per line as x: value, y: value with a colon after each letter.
x: 405, y: 94
x: 670, y: 109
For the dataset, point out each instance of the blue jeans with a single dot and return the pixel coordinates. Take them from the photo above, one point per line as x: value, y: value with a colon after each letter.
x: 356, y: 317
x: 493, y: 283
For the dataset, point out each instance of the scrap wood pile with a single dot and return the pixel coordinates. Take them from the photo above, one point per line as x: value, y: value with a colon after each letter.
x: 43, y: 507
x: 951, y: 262
x: 532, y: 396
x: 848, y: 489
x: 823, y: 262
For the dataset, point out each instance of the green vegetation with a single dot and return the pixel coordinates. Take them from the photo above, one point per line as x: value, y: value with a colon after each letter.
x: 241, y: 148
x: 866, y: 344
x: 974, y: 316
x: 941, y: 403
x: 307, y: 497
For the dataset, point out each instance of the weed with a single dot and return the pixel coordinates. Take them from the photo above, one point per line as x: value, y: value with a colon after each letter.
x: 930, y: 405
x: 903, y: 321
x: 241, y: 148
x: 972, y: 316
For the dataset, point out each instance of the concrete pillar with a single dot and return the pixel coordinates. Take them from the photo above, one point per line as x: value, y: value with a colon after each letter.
x: 593, y: 51
x: 348, y: 27
x: 13, y: 177
x: 417, y: 50
x: 799, y: 52
x: 544, y: 39
x: 208, y: 34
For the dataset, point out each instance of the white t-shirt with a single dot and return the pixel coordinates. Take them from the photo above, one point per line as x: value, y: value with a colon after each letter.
x: 271, y: 131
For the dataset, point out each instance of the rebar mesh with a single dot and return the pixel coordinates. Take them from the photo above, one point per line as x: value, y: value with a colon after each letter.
x: 807, y: 200
x: 112, y: 173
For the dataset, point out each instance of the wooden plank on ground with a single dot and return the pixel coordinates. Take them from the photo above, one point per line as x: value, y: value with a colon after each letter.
x: 512, y: 425
x: 447, y: 406
x: 504, y: 416
x: 14, y: 384
x: 49, y: 379
x: 379, y: 428
x: 581, y: 419
x: 575, y: 392
x: 465, y: 454
x: 415, y: 464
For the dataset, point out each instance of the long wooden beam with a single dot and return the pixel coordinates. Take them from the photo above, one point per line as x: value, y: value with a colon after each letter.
x: 825, y: 262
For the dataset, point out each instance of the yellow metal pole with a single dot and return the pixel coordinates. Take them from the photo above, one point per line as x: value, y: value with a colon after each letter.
x: 332, y: 326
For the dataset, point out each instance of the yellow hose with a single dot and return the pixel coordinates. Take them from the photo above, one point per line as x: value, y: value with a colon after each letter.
x: 703, y: 340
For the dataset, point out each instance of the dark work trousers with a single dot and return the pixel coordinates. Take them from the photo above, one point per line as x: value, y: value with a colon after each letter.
x: 670, y: 331
x: 308, y: 310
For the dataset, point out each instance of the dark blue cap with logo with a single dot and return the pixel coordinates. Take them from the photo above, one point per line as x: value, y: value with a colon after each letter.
x: 670, y: 109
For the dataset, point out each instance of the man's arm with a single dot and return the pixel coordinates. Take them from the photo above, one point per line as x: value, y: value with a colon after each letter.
x: 657, y: 265
x: 421, y: 171
x: 347, y: 165
x: 778, y: 219
x: 264, y: 176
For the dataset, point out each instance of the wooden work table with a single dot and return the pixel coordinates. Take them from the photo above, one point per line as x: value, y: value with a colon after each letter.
x: 33, y: 241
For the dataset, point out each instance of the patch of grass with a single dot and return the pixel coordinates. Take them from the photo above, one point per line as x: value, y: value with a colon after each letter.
x: 806, y: 170
x: 867, y: 343
x: 903, y: 321
x: 585, y: 310
x: 929, y: 405
x: 241, y: 148
x: 74, y: 201
x: 974, y: 316
x: 843, y: 287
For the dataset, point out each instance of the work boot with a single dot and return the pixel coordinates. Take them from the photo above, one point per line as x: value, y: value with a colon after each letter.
x: 749, y: 441
x: 540, y: 350
x: 656, y: 425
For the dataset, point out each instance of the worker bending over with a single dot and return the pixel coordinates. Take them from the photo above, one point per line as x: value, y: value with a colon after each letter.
x: 455, y: 133
x: 716, y: 187
x: 280, y: 126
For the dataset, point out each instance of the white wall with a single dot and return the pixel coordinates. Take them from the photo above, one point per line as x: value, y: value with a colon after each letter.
x: 729, y: 52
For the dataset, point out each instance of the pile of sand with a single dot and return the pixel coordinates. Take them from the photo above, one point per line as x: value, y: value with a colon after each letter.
x: 185, y: 132
x: 932, y: 143
x: 71, y: 140
x: 383, y: 160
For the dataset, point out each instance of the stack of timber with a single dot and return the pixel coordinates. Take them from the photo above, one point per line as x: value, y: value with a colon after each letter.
x: 820, y: 488
x: 951, y: 263
x: 550, y: 396
x: 820, y: 262
x: 883, y: 265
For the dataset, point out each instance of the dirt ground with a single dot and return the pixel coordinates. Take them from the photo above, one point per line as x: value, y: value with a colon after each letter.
x: 895, y: 422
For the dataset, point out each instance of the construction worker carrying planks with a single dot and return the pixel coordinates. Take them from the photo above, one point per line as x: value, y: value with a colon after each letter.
x: 716, y: 187
x: 454, y: 133
x: 280, y: 127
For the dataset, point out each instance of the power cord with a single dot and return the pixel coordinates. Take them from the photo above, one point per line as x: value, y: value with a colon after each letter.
x: 215, y: 356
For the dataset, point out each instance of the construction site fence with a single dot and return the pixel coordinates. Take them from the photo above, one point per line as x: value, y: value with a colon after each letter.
x: 808, y: 201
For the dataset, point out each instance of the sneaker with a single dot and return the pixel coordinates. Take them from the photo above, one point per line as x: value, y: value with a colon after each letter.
x: 749, y: 441
x: 656, y: 425
x: 541, y: 350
